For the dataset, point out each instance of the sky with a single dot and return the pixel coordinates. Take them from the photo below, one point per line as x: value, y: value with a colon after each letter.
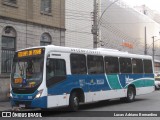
x: 153, y: 4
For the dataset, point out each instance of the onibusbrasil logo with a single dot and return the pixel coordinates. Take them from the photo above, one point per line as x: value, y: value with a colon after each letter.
x: 20, y: 114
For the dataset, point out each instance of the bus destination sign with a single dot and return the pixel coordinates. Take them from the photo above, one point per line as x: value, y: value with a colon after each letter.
x: 31, y: 52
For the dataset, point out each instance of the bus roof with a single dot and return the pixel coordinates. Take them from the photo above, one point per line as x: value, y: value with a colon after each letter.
x: 97, y: 51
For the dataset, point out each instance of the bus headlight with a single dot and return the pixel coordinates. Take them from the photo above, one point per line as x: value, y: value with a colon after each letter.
x: 11, y: 96
x: 39, y: 94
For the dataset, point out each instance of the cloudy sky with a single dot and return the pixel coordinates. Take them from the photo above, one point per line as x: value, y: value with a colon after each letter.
x: 153, y: 4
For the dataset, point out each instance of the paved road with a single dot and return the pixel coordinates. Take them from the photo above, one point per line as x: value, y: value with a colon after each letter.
x: 149, y: 102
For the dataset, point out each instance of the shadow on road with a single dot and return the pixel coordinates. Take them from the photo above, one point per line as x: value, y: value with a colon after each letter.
x: 84, y: 108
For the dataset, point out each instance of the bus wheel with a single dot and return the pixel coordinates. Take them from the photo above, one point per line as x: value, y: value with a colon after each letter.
x: 130, y: 94
x: 74, y: 102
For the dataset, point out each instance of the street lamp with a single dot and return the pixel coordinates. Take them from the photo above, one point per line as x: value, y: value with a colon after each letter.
x: 96, y: 22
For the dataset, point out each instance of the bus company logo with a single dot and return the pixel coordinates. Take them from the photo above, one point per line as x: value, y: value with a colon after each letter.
x: 100, y: 81
x: 82, y: 82
x: 92, y: 81
x: 6, y: 114
x: 128, y: 80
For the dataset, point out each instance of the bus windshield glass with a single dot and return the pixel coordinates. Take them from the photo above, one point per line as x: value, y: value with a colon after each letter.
x: 27, y: 71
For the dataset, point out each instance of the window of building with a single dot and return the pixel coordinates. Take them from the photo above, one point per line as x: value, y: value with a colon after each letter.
x: 137, y: 65
x: 78, y: 64
x: 12, y: 3
x: 45, y: 39
x: 111, y: 65
x: 95, y: 64
x: 46, y: 6
x: 8, y: 48
x: 148, y: 66
x: 125, y: 65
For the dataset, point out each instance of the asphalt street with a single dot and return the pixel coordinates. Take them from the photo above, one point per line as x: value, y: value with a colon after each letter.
x: 149, y: 102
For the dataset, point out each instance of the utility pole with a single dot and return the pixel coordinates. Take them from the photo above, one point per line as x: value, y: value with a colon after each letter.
x: 95, y: 25
x: 153, y: 47
x: 145, y: 37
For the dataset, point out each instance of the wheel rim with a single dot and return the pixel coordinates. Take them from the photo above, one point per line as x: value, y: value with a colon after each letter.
x: 75, y: 101
x: 130, y: 94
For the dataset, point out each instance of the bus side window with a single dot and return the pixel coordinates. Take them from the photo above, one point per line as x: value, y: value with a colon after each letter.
x: 125, y: 65
x: 95, y: 64
x: 148, y: 66
x: 78, y: 64
x: 55, y: 71
x: 137, y: 65
x: 111, y: 65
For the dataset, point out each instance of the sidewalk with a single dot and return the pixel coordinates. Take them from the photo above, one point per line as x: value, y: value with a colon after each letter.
x: 5, y: 106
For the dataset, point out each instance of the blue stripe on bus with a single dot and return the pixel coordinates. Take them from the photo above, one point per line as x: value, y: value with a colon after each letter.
x: 40, y: 102
x: 24, y: 96
x: 88, y: 83
x: 99, y: 82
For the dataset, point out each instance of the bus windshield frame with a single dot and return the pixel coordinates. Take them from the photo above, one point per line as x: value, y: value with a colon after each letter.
x: 27, y: 71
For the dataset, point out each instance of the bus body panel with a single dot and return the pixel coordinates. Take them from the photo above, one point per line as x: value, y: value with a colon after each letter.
x: 29, y: 100
x: 99, y: 88
x: 58, y: 95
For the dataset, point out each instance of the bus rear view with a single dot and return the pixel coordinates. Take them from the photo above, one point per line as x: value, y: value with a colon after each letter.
x: 26, y: 77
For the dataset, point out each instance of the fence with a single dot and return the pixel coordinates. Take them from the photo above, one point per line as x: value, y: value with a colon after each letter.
x: 7, y: 57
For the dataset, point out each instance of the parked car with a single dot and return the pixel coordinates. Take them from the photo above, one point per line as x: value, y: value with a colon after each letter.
x: 157, y: 82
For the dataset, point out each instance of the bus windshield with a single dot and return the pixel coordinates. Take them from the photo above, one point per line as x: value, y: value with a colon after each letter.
x: 27, y: 73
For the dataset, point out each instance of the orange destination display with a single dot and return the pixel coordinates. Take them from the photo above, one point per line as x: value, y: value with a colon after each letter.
x: 31, y: 52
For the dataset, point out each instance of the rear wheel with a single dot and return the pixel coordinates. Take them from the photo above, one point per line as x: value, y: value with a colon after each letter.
x: 74, y: 102
x: 156, y: 88
x: 130, y: 94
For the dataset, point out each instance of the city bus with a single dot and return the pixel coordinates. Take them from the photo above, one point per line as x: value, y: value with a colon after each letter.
x: 55, y: 76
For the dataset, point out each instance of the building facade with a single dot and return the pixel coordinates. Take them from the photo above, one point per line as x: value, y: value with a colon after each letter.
x: 121, y: 26
x: 27, y: 23
x: 79, y: 21
x: 126, y: 29
x: 153, y: 14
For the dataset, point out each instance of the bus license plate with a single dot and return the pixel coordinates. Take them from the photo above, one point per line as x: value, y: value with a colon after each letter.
x: 21, y: 105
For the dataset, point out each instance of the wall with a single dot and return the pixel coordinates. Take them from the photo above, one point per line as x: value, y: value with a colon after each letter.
x: 79, y: 23
x: 27, y: 36
x: 4, y: 88
x: 30, y: 10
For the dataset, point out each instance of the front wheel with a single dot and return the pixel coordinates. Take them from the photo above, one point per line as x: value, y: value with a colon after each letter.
x: 74, y: 102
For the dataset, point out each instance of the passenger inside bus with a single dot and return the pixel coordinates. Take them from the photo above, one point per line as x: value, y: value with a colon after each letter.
x: 50, y: 70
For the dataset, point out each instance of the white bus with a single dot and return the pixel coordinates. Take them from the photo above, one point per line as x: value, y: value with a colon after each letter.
x: 53, y: 76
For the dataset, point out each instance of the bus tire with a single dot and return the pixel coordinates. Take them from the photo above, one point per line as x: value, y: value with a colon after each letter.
x: 130, y: 94
x: 74, y: 102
